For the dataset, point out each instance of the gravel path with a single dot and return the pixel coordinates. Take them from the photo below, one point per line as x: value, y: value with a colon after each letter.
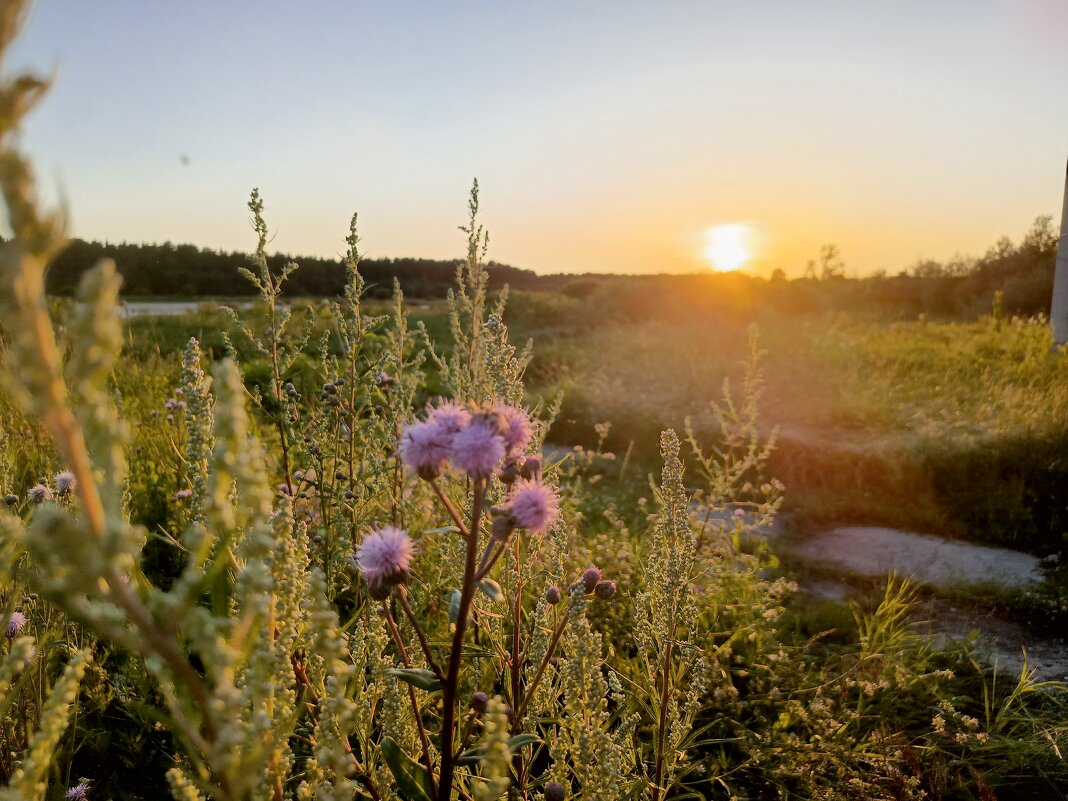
x: 877, y: 551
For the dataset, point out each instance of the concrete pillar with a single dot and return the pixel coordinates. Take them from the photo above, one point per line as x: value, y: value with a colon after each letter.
x: 1058, y: 313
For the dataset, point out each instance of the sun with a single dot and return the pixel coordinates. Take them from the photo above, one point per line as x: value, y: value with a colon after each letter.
x: 729, y: 247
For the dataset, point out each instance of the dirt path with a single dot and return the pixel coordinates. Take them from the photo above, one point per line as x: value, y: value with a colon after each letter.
x: 941, y: 563
x: 933, y: 560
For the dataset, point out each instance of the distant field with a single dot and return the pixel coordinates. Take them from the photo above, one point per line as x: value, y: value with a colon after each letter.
x: 948, y: 427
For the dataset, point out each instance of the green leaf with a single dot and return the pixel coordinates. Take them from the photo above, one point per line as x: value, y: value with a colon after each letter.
x: 443, y: 530
x: 517, y: 742
x: 454, y: 606
x: 491, y: 588
x: 417, y: 677
x: 474, y: 755
x: 413, y: 782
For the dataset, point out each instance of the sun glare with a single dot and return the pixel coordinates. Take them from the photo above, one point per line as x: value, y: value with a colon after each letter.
x: 729, y: 246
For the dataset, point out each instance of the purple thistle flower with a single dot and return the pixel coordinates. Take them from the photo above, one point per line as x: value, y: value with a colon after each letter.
x: 79, y: 792
x: 532, y: 505
x: 39, y: 494
x: 184, y: 494
x: 479, y: 449
x: 384, y: 556
x: 65, y: 482
x: 169, y: 404
x: 425, y: 447
x: 15, y: 624
x: 516, y: 428
x: 450, y: 416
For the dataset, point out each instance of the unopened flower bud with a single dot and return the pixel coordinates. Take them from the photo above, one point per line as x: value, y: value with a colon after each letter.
x: 11, y: 500
x: 330, y: 389
x: 510, y: 472
x: 590, y: 579
x: 479, y: 702
x: 503, y: 526
x: 605, y: 590
x: 531, y: 469
x: 554, y: 791
x: 379, y: 592
x: 552, y: 595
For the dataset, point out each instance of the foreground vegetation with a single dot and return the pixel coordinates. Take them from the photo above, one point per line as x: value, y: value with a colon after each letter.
x: 268, y: 570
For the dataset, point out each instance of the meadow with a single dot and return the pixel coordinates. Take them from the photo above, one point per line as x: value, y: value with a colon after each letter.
x: 359, y: 549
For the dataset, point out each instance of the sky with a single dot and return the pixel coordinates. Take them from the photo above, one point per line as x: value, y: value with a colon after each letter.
x: 605, y: 136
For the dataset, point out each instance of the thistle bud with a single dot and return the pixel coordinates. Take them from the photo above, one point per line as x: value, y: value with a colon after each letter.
x: 531, y: 469
x: 330, y: 389
x: 552, y: 595
x: 509, y: 473
x: 590, y: 579
x: 605, y: 590
x: 11, y: 500
x: 503, y: 526
x: 479, y: 702
x: 554, y: 791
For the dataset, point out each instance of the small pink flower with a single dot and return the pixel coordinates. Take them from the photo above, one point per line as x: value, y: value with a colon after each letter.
x: 79, y: 792
x: 39, y: 494
x: 479, y: 449
x: 425, y: 447
x: 451, y: 417
x: 516, y: 427
x: 15, y: 624
x: 384, y: 556
x: 65, y: 482
x: 532, y: 505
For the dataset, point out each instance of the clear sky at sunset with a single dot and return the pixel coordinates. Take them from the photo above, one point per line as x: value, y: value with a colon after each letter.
x: 606, y: 136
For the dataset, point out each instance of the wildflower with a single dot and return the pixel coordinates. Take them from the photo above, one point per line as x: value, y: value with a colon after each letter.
x: 65, y: 482
x: 385, y: 556
x: 170, y: 404
x: 39, y: 494
x: 605, y: 590
x: 515, y: 429
x: 533, y: 505
x: 554, y: 791
x: 184, y: 494
x: 479, y: 448
x: 15, y: 624
x: 384, y: 380
x: 79, y: 792
x: 552, y: 596
x: 11, y: 499
x: 425, y: 447
x: 450, y: 416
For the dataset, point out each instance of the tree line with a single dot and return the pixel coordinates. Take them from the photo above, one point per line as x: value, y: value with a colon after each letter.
x: 961, y: 288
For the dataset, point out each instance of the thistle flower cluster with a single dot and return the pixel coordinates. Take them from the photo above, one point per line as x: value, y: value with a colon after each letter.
x: 476, y: 441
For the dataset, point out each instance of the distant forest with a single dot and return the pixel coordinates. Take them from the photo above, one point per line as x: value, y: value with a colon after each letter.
x: 1022, y: 272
